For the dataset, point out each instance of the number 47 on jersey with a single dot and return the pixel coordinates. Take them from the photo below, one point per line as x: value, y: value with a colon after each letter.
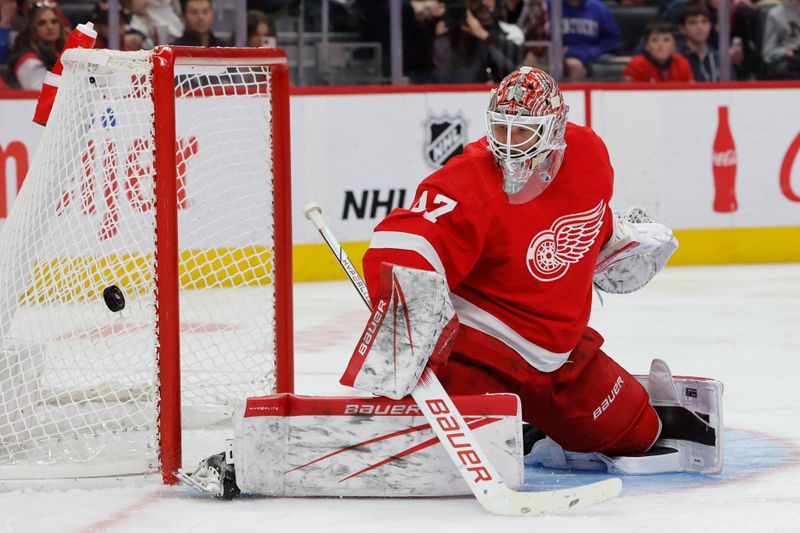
x: 441, y: 205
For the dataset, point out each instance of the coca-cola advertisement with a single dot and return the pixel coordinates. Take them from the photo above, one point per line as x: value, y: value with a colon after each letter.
x: 724, y: 165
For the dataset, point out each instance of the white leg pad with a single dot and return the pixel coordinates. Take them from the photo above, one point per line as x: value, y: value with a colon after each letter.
x: 690, y: 410
x: 288, y: 445
x: 691, y: 438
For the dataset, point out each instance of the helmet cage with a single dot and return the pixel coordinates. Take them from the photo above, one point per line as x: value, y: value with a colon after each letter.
x: 543, y: 131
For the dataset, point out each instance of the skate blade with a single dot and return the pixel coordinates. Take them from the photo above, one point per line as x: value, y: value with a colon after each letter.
x: 189, y: 480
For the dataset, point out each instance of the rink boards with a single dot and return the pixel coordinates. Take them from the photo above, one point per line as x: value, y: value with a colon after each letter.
x: 360, y: 152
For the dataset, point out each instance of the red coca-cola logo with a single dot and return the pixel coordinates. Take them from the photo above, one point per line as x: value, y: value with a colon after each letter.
x: 724, y: 159
x: 786, y: 170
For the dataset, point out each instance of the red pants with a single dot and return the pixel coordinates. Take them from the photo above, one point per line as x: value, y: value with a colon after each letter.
x: 590, y: 404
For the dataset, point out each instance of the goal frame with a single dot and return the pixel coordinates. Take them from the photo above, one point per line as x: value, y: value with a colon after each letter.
x: 164, y: 59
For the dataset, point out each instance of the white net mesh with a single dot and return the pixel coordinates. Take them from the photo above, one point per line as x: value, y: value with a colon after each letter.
x: 78, y: 381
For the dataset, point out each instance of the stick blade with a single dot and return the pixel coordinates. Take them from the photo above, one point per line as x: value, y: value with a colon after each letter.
x: 511, y: 503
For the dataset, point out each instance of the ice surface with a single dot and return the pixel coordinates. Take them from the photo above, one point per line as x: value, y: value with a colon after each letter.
x: 739, y: 324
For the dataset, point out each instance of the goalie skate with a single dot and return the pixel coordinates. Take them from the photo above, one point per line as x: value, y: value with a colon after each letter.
x: 691, y: 439
x: 214, y: 475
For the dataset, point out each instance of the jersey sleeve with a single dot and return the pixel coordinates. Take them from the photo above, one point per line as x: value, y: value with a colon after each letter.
x: 443, y: 230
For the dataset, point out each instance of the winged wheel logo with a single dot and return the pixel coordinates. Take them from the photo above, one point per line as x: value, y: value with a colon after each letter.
x: 552, y: 251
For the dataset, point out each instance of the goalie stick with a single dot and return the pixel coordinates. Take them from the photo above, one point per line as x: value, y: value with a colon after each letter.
x: 459, y: 441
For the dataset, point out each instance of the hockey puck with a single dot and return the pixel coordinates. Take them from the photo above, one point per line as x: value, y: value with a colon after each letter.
x: 114, y: 298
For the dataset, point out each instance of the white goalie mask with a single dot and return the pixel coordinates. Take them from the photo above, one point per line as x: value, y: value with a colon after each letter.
x: 525, y: 124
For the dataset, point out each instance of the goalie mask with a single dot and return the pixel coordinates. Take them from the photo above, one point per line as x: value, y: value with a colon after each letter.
x: 525, y: 124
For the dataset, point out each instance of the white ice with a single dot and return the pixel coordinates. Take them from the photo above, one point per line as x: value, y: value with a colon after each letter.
x: 739, y: 324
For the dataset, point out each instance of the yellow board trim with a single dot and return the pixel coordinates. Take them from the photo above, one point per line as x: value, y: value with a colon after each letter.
x: 71, y: 279
x: 314, y: 262
x: 85, y: 278
x: 737, y: 245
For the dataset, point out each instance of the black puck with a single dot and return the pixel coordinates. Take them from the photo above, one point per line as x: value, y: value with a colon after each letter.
x: 114, y: 298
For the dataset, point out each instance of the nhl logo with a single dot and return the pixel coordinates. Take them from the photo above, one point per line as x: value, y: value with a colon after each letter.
x: 444, y: 138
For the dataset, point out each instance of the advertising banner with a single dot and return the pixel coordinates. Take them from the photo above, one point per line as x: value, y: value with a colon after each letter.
x: 210, y: 164
x: 360, y: 156
x: 703, y: 160
x: 19, y: 137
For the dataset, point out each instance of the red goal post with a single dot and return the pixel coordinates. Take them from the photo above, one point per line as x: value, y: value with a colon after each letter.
x: 167, y: 175
x: 164, y: 61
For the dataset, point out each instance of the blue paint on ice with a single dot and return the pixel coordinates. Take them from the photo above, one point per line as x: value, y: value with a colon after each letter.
x: 746, y: 454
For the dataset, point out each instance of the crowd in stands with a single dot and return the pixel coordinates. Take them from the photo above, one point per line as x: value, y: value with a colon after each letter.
x: 447, y: 41
x: 32, y: 35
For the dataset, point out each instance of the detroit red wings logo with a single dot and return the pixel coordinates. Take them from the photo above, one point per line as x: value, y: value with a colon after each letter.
x: 553, y: 250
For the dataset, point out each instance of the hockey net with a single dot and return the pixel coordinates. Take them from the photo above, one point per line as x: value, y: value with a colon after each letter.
x: 83, y: 387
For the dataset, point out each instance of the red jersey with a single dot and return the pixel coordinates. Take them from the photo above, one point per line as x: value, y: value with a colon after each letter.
x: 520, y: 273
x: 642, y: 69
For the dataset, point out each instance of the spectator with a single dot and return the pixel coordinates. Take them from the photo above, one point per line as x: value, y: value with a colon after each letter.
x: 589, y: 31
x: 782, y: 41
x: 659, y: 62
x: 198, y: 16
x: 696, y: 27
x: 9, y: 14
x: 260, y: 30
x: 131, y: 40
x: 473, y: 46
x: 419, y: 33
x: 746, y: 29
x: 672, y: 14
x: 37, y: 47
x: 419, y: 20
x: 531, y: 16
x: 164, y: 14
x: 137, y: 19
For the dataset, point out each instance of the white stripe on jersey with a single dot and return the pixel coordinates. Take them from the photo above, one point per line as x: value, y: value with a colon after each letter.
x: 473, y: 316
x: 400, y: 240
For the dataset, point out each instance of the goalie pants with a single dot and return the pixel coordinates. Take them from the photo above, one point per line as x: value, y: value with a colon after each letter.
x: 589, y: 404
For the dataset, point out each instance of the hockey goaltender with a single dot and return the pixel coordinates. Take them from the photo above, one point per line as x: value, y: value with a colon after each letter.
x: 487, y: 279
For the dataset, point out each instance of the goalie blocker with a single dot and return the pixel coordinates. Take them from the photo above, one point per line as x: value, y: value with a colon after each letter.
x: 413, y: 323
x: 287, y: 445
